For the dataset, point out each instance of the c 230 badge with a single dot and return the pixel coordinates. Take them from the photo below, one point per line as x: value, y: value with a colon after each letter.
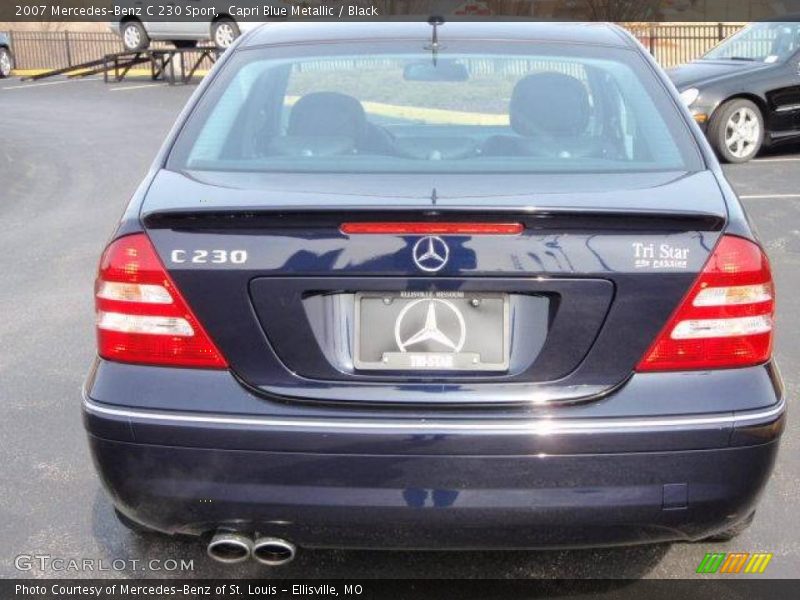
x: 649, y: 255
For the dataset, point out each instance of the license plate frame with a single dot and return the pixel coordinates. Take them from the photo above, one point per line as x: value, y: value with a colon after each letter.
x: 484, y: 349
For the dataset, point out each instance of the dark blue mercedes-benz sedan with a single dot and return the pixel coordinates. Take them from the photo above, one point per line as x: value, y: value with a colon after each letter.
x: 448, y: 285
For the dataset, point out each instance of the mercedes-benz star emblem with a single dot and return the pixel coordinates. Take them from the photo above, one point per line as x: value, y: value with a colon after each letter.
x: 438, y: 318
x: 431, y: 253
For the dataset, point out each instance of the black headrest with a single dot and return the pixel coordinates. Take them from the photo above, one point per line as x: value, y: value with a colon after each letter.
x: 327, y: 114
x: 550, y: 102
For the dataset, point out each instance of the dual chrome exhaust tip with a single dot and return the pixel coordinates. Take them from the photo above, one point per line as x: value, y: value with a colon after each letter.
x: 273, y: 552
x: 230, y: 547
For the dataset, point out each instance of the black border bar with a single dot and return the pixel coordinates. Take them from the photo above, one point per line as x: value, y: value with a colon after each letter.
x: 383, y: 10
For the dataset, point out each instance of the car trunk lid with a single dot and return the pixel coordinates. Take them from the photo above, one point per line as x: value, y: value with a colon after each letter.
x: 601, y: 263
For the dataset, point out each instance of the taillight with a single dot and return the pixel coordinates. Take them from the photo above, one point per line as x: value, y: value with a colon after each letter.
x: 141, y: 315
x: 725, y: 320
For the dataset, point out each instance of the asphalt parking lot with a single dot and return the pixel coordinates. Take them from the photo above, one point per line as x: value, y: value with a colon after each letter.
x: 71, y: 153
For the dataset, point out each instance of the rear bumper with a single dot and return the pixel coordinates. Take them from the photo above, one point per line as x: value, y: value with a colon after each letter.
x: 436, y: 483
x: 364, y: 501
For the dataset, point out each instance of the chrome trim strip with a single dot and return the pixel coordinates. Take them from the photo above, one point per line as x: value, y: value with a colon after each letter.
x: 787, y: 108
x: 537, y: 427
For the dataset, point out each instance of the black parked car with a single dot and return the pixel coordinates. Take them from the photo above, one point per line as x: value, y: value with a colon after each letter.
x: 6, y: 57
x: 388, y: 287
x: 745, y: 93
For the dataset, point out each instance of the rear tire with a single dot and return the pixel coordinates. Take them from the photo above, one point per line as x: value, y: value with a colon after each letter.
x: 736, y: 130
x: 6, y: 63
x: 732, y: 532
x: 134, y: 36
x: 224, y: 32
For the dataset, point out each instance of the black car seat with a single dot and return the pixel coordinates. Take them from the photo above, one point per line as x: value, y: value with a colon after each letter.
x: 550, y: 113
x: 327, y: 114
x: 325, y: 124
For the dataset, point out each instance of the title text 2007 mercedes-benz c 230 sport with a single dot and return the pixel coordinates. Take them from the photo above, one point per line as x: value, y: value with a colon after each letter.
x: 412, y: 285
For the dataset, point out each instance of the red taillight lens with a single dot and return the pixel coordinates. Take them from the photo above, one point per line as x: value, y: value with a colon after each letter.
x: 725, y: 320
x: 430, y: 228
x: 141, y: 315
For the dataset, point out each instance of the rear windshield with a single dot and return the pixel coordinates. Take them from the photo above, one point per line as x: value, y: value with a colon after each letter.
x: 470, y: 108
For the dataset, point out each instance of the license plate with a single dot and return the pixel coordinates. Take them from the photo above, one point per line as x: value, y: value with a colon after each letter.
x: 431, y: 331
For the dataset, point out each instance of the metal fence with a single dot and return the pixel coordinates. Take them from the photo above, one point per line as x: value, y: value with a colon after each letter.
x: 56, y: 50
x: 671, y: 44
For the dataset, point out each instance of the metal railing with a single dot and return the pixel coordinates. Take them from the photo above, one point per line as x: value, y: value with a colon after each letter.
x: 671, y: 44
x: 57, y: 50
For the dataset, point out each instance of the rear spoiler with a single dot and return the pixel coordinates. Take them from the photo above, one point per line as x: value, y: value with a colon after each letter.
x: 559, y: 219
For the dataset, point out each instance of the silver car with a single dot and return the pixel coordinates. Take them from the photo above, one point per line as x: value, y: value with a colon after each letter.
x: 136, y: 34
x: 6, y: 58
